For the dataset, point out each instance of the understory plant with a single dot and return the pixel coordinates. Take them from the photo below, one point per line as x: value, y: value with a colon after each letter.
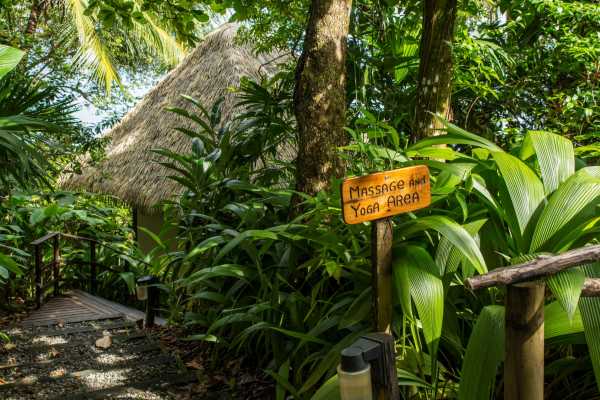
x: 537, y: 200
x: 290, y: 289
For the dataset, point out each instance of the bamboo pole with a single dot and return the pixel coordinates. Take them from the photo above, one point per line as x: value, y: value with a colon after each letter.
x: 524, y: 361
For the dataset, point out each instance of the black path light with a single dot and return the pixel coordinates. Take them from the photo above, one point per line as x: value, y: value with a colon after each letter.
x: 147, y: 291
x: 367, y: 369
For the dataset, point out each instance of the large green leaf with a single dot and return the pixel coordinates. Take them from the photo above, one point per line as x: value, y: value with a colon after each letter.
x: 590, y: 315
x: 404, y: 257
x: 484, y: 353
x: 9, y: 58
x: 330, y: 390
x: 557, y: 322
x: 249, y: 234
x: 568, y: 207
x: 555, y: 156
x: 427, y: 292
x: 456, y: 234
x: 402, y: 284
x: 9, y: 264
x: 455, y: 135
x: 525, y: 189
x: 448, y: 256
x: 566, y: 286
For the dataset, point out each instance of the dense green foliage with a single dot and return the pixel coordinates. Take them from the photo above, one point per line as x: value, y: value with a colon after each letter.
x: 287, y: 286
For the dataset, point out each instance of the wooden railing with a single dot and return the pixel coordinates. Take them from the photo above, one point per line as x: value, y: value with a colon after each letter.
x: 40, y: 268
x: 38, y: 244
x: 524, y: 318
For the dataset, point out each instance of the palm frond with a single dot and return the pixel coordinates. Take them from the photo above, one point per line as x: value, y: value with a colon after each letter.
x: 93, y: 52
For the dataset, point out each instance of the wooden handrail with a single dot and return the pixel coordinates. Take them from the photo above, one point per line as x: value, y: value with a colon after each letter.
x: 524, y: 315
x: 539, y: 267
x: 44, y: 238
x: 40, y: 267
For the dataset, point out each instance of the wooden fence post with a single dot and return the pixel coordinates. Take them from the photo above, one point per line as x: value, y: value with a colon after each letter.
x: 56, y: 264
x: 93, y: 278
x: 524, y: 362
x: 38, y: 276
x: 381, y: 242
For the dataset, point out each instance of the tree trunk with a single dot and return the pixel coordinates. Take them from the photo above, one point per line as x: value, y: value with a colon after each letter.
x: 320, y: 95
x: 37, y: 8
x: 435, y: 68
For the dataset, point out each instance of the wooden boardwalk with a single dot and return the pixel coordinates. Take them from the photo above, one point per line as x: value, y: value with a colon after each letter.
x: 55, y: 354
x: 78, y: 306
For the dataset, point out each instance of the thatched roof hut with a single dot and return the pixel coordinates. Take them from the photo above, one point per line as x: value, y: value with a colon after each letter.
x: 129, y: 171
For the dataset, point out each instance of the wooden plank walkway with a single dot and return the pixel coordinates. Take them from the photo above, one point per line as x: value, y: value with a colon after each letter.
x: 78, y: 306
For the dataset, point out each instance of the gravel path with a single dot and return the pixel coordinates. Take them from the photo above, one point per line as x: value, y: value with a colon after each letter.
x: 63, y: 362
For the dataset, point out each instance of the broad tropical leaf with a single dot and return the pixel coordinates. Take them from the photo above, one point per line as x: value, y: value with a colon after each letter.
x: 9, y: 58
x: 448, y: 256
x: 427, y: 291
x: 484, y: 353
x: 456, y: 135
x: 555, y: 156
x: 454, y: 233
x: 569, y: 206
x: 525, y: 190
x: 590, y: 315
x: 330, y: 390
x: 557, y: 322
x: 566, y: 286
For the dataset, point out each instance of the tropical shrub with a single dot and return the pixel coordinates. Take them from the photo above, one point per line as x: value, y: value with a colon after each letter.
x: 27, y: 216
x: 520, y: 205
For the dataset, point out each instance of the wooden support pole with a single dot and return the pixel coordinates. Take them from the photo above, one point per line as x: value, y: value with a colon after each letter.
x: 56, y: 265
x: 93, y: 277
x: 151, y: 304
x: 539, y: 267
x: 524, y: 361
x: 38, y: 275
x: 381, y: 242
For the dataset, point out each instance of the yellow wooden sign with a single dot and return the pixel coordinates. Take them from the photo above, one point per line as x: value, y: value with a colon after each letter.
x: 383, y: 194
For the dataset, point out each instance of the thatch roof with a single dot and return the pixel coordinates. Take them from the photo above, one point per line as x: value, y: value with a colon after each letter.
x: 129, y: 171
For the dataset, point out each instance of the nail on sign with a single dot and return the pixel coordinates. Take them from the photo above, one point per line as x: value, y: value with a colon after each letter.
x: 384, y: 194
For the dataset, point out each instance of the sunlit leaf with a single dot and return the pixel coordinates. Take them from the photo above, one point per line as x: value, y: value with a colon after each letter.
x: 485, y: 352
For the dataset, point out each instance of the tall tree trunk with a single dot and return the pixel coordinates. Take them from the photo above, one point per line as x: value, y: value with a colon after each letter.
x: 37, y: 8
x: 320, y: 95
x: 435, y: 69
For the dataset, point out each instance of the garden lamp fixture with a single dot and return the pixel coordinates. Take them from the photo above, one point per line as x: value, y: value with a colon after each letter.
x: 354, y: 374
x: 142, y: 286
x: 367, y: 368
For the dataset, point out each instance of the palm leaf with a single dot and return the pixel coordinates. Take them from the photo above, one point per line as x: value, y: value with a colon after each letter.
x: 151, y: 32
x: 455, y: 135
x: 456, y: 234
x: 590, y: 315
x: 557, y: 323
x: 485, y: 351
x: 555, y: 156
x: 525, y: 190
x: 566, y: 286
x: 568, y: 207
x: 93, y: 51
x: 427, y: 292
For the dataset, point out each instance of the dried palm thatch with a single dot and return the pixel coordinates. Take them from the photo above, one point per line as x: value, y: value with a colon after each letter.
x: 129, y: 170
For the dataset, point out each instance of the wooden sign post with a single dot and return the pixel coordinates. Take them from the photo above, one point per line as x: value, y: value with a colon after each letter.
x: 377, y: 197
